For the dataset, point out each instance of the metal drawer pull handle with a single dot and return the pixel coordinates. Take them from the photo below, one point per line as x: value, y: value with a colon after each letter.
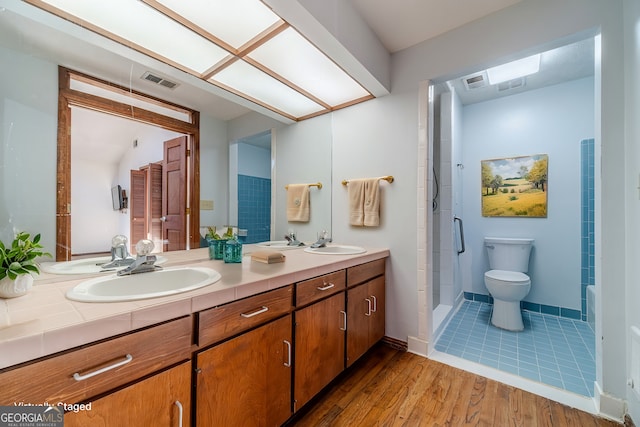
x: 324, y: 288
x: 128, y: 358
x: 344, y: 320
x: 255, y: 313
x: 288, y: 362
x: 368, y: 313
x: 179, y: 405
x: 375, y: 303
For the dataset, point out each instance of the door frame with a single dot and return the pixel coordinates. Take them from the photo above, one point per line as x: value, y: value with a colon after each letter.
x: 68, y: 97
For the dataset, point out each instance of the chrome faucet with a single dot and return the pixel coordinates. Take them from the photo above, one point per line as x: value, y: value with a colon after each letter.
x: 292, y: 240
x: 323, y: 239
x: 120, y: 255
x: 144, y: 263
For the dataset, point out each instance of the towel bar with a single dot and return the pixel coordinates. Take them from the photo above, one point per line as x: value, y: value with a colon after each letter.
x: 317, y: 184
x: 388, y: 178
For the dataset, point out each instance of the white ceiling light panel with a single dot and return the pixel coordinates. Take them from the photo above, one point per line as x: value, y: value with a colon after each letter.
x: 235, y: 22
x: 138, y: 23
x: 295, y: 59
x: 248, y: 80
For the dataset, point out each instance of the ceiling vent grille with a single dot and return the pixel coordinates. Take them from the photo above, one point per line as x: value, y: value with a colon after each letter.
x: 475, y: 81
x: 512, y: 84
x: 159, y: 80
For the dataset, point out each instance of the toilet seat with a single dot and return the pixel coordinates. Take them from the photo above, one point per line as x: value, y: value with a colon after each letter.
x: 512, y: 277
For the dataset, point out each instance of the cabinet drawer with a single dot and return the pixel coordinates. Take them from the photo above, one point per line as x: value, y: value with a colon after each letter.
x: 88, y: 371
x: 363, y: 272
x: 319, y: 287
x: 230, y: 319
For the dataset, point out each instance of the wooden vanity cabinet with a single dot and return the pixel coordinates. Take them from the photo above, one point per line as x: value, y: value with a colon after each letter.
x: 319, y: 338
x: 246, y: 381
x: 161, y: 400
x: 245, y: 378
x: 365, y: 308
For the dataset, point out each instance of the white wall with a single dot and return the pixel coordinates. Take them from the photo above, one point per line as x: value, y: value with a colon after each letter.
x: 303, y: 156
x: 28, y: 126
x: 254, y: 161
x: 92, y: 211
x: 632, y: 126
x: 553, y: 121
x: 214, y: 166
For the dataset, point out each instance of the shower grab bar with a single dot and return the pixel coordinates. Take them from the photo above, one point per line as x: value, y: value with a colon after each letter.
x: 459, y: 221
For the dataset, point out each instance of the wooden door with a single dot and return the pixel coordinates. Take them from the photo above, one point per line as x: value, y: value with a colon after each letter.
x: 174, y: 201
x: 246, y: 381
x: 155, y: 195
x: 319, y: 351
x: 160, y: 400
x: 137, y: 208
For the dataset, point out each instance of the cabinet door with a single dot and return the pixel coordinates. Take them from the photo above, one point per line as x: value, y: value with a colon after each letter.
x: 246, y: 381
x: 366, y: 317
x: 377, y: 296
x: 319, y: 351
x: 359, y: 311
x: 161, y: 400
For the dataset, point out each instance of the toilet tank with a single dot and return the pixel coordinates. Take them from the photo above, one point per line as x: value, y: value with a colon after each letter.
x: 508, y: 254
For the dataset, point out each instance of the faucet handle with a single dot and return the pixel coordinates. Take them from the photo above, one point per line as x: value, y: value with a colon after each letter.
x: 119, y: 240
x: 144, y: 247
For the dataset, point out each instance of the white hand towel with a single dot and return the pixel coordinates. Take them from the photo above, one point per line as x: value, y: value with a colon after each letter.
x: 372, y: 202
x: 298, y: 203
x: 356, y: 202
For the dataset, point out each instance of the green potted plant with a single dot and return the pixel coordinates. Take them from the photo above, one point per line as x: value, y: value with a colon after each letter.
x: 17, y: 264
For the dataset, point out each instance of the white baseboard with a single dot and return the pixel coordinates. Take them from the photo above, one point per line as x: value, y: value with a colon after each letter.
x: 609, y: 406
x: 417, y: 346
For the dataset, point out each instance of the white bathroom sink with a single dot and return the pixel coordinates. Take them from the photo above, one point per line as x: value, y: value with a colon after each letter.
x: 158, y: 283
x: 86, y: 266
x: 337, y: 250
x: 277, y: 244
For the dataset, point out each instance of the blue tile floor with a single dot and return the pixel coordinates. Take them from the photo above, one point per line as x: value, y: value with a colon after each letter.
x: 553, y: 350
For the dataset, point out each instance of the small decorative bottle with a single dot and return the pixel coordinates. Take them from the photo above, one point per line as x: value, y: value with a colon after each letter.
x: 233, y: 251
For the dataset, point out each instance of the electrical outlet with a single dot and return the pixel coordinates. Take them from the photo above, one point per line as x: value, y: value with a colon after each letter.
x: 206, y: 205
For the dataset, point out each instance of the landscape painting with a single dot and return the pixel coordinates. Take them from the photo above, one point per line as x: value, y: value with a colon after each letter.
x: 515, y: 187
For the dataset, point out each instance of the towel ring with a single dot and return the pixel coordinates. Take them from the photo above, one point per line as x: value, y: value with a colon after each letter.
x: 388, y: 178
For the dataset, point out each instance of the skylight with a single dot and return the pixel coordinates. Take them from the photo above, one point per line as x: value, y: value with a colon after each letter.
x: 240, y: 46
x: 513, y: 70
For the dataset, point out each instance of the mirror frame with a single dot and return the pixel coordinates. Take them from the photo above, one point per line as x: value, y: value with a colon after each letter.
x: 68, y: 97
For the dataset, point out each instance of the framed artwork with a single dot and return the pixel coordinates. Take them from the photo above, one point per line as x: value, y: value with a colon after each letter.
x: 515, y: 186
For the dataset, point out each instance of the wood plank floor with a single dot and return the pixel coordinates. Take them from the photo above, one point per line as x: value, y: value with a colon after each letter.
x: 388, y: 387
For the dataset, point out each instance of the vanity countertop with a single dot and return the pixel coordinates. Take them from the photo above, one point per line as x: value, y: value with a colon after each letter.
x: 44, y: 321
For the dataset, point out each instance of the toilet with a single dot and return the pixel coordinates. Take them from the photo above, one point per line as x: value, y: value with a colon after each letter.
x: 506, y: 281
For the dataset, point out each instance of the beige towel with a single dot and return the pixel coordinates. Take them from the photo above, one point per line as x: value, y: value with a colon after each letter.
x: 371, y: 202
x: 356, y: 202
x: 298, y: 203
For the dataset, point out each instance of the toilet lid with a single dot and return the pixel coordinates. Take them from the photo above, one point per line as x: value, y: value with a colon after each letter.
x: 507, y: 276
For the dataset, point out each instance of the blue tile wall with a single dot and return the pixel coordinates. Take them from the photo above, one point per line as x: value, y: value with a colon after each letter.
x: 587, y: 207
x: 254, y: 208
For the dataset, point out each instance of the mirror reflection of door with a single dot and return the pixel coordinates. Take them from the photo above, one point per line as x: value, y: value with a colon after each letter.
x: 145, y: 205
x: 174, y: 187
